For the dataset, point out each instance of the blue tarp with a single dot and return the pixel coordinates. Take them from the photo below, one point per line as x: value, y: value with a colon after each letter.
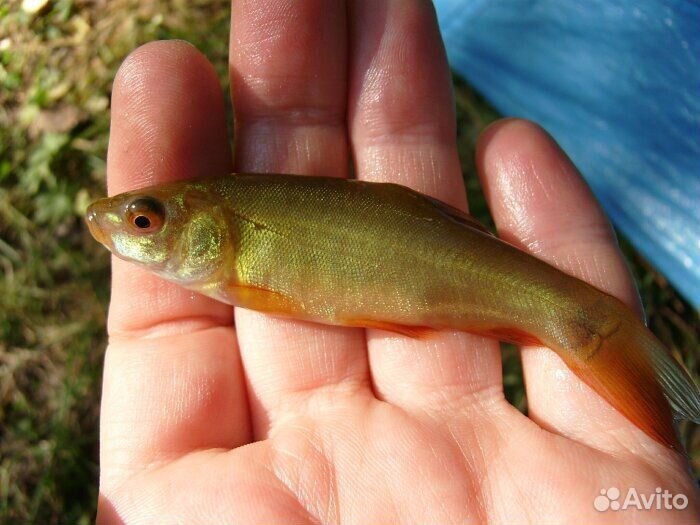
x: 617, y: 83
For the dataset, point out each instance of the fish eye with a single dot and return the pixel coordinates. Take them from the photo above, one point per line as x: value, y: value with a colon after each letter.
x: 145, y: 215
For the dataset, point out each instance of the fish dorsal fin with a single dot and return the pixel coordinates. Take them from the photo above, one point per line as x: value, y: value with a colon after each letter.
x: 457, y: 215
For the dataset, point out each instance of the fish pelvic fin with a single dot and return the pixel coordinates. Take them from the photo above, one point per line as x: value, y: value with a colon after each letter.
x: 632, y: 370
x: 414, y: 332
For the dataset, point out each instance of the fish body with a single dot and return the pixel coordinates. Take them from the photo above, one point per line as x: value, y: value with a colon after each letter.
x: 381, y: 255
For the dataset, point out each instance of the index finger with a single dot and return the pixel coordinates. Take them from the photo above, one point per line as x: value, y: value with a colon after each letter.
x: 172, y: 368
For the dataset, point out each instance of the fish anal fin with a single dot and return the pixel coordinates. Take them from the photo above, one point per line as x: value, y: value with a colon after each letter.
x: 416, y: 332
x: 509, y: 335
x: 622, y: 374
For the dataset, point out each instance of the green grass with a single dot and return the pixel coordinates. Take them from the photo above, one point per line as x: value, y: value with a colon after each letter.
x: 56, y: 70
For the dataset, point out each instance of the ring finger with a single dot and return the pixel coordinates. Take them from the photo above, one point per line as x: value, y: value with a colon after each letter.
x: 402, y: 129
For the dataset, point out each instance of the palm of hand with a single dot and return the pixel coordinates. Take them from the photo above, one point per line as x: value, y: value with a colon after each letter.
x: 360, y: 460
x: 277, y: 421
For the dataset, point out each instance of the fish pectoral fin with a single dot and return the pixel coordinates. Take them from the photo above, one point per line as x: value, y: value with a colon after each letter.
x: 416, y: 332
x: 619, y: 369
x: 262, y: 299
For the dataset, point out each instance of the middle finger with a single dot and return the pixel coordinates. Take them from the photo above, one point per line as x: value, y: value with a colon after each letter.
x: 288, y: 82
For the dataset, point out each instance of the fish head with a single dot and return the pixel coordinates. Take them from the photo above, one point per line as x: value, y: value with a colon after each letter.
x: 175, y: 231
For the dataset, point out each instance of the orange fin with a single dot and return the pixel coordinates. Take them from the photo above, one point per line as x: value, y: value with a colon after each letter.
x: 457, y: 215
x: 508, y: 335
x: 417, y: 332
x: 262, y: 299
x: 618, y: 368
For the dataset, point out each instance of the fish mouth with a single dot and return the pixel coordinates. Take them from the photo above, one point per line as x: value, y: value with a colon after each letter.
x: 92, y: 219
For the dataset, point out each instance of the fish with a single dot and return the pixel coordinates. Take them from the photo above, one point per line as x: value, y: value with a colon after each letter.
x: 381, y: 255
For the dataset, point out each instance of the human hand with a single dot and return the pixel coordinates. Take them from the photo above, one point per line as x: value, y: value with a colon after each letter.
x: 278, y: 421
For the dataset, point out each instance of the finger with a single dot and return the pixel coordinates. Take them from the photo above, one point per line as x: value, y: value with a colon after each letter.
x: 541, y: 204
x: 288, y: 76
x: 172, y: 379
x: 402, y: 126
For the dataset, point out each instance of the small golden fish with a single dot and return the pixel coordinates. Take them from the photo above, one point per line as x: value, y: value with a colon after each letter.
x: 381, y: 255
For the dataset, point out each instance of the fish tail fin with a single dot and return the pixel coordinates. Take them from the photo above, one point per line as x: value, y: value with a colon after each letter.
x: 678, y: 386
x: 630, y: 368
